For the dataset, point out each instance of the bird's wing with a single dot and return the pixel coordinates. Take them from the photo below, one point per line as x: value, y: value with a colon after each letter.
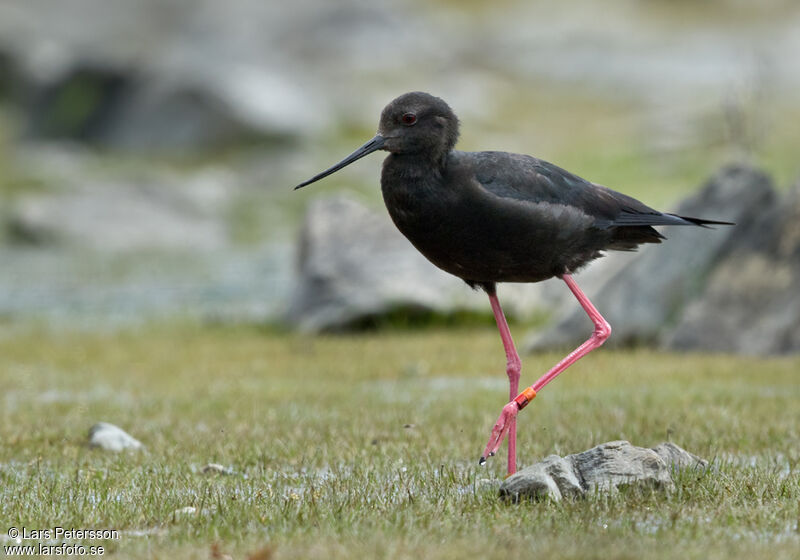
x: 529, y: 179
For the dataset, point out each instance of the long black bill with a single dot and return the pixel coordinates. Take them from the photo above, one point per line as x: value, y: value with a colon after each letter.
x: 371, y: 146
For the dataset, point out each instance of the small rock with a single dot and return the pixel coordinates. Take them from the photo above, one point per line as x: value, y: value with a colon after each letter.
x: 534, y: 481
x: 678, y: 458
x: 618, y: 463
x: 553, y: 477
x: 216, y: 468
x: 603, y: 468
x: 563, y: 474
x: 112, y: 438
x: 189, y: 511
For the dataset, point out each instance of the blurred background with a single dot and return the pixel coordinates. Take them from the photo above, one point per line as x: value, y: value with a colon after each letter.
x: 148, y: 152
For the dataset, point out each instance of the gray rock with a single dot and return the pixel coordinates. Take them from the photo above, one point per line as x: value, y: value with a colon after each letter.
x: 603, y: 468
x: 750, y: 303
x: 192, y: 511
x: 564, y: 475
x: 160, y: 212
x: 354, y: 264
x: 203, y: 111
x: 553, y: 477
x: 618, y: 463
x: 197, y: 79
x: 678, y: 458
x: 216, y: 468
x: 644, y: 299
x: 99, y: 245
x: 112, y: 438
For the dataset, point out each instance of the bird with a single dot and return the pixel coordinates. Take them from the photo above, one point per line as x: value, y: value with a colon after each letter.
x: 493, y: 217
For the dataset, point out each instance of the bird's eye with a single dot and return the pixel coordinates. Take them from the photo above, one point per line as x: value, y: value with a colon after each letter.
x: 408, y: 119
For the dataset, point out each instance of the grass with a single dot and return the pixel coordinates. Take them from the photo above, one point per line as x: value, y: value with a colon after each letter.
x: 366, y: 446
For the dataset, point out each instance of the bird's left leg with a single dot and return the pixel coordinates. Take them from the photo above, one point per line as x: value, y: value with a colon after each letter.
x: 513, y: 369
x: 507, y: 419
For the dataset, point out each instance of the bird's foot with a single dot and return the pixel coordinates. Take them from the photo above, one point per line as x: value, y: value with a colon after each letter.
x: 500, y: 430
x: 501, y: 427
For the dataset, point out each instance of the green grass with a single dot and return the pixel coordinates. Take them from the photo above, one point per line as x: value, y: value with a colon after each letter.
x: 366, y: 445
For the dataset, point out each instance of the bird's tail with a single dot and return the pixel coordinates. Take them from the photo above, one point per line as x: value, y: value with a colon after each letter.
x: 700, y: 221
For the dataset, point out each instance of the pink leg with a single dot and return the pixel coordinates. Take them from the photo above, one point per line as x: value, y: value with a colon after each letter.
x: 602, y: 330
x: 513, y: 368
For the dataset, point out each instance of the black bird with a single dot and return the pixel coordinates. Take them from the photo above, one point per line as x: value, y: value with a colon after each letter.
x: 490, y: 217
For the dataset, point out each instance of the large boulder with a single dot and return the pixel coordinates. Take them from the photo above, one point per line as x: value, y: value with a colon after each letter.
x: 194, y: 80
x: 644, y: 299
x: 151, y: 211
x: 355, y: 265
x: 145, y: 109
x: 751, y: 303
x: 183, y: 75
x: 94, y: 246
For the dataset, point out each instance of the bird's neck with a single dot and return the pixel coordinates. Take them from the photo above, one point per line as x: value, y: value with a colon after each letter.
x: 409, y: 183
x: 424, y: 167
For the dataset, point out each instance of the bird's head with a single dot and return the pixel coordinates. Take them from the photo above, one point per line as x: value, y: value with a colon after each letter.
x: 418, y: 122
x: 414, y: 123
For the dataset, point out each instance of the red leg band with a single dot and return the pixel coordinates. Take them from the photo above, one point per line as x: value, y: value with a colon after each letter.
x: 525, y: 397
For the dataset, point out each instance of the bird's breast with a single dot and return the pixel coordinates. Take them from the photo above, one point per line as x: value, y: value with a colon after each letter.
x: 414, y: 197
x: 417, y: 211
x: 444, y: 226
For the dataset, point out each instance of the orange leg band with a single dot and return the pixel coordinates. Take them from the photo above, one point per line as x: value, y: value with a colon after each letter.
x: 525, y: 397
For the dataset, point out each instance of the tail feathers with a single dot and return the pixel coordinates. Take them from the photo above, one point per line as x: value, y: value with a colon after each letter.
x: 627, y: 219
x: 630, y: 230
x: 701, y: 222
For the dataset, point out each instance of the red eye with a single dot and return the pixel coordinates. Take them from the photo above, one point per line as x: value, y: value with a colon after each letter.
x: 409, y: 119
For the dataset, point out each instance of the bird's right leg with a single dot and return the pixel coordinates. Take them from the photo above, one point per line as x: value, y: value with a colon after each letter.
x: 602, y: 330
x: 513, y: 368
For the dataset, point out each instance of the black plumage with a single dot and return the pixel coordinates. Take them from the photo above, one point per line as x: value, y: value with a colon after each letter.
x: 501, y: 217
x: 490, y: 217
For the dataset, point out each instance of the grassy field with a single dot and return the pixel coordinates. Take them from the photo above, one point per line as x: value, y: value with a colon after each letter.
x: 366, y: 446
